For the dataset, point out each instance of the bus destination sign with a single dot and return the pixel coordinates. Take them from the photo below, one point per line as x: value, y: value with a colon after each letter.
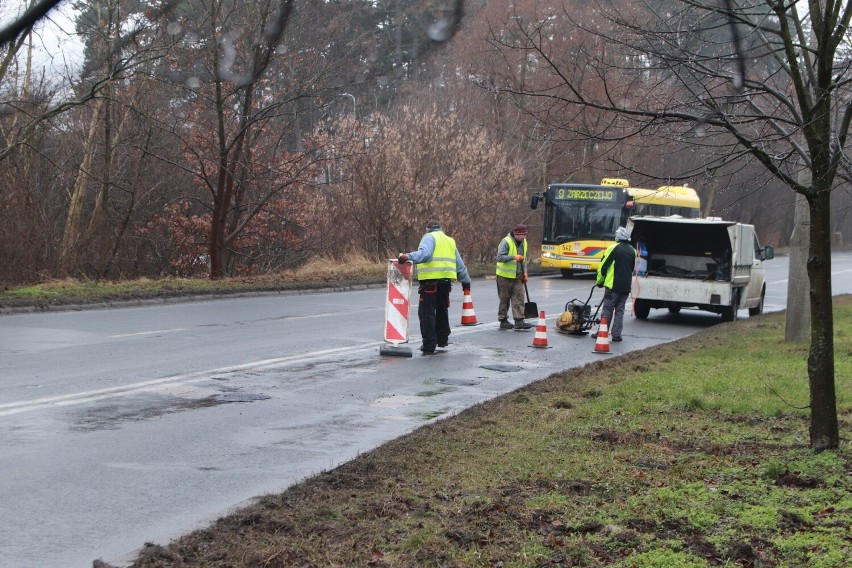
x: 584, y: 194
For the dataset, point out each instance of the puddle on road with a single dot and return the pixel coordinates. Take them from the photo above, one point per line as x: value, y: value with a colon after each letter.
x: 497, y: 350
x: 431, y: 414
x: 433, y: 392
x: 318, y: 369
x: 394, y: 401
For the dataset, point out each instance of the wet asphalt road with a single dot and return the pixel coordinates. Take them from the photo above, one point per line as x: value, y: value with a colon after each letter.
x: 132, y: 425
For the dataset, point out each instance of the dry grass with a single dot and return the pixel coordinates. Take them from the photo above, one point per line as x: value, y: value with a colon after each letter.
x: 317, y: 273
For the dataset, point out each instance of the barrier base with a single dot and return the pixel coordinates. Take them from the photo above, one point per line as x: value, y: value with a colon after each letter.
x: 395, y: 351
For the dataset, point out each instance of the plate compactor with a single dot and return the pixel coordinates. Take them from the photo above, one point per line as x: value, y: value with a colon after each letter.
x: 578, y: 319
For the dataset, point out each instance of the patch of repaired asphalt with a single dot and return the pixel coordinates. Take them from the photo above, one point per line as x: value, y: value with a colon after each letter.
x: 502, y: 368
x: 240, y: 397
x: 112, y: 416
x: 459, y: 382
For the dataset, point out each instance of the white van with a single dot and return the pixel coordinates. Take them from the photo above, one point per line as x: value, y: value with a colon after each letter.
x: 708, y: 264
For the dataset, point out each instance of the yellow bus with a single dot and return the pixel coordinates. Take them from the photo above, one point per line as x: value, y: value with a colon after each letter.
x: 580, y: 219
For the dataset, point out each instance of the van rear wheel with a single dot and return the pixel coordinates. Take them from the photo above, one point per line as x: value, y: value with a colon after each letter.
x: 729, y: 313
x: 758, y: 309
x: 642, y: 308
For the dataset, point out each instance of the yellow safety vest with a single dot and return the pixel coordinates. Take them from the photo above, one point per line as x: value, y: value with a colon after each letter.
x: 443, y: 262
x: 510, y: 269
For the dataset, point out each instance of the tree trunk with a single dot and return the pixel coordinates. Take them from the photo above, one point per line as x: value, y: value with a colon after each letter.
x: 824, y: 432
x: 798, y: 317
x: 218, y: 256
x: 98, y: 230
x: 71, y: 236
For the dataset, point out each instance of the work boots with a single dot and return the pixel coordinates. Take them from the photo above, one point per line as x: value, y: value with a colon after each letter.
x: 521, y: 325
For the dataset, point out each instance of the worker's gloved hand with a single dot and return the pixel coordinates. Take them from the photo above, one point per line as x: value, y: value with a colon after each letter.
x: 524, y: 278
x: 519, y: 257
x: 600, y: 284
x: 402, y: 258
x: 466, y: 287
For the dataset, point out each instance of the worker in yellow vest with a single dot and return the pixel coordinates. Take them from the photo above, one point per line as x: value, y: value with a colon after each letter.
x: 439, y: 264
x: 615, y: 275
x: 512, y: 260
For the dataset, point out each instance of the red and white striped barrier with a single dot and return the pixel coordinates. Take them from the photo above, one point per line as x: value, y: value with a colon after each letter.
x: 397, y: 305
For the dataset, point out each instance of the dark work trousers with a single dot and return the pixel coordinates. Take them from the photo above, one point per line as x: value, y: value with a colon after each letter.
x: 613, y: 311
x: 434, y: 313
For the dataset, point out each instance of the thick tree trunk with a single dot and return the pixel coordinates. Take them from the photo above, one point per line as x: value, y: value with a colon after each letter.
x: 824, y: 432
x: 218, y: 250
x: 797, y: 324
x: 73, y: 222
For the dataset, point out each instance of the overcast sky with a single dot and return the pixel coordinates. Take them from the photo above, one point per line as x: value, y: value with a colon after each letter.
x: 57, y: 47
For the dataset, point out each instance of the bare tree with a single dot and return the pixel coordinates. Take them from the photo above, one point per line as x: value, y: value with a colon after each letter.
x: 759, y: 79
x: 398, y: 172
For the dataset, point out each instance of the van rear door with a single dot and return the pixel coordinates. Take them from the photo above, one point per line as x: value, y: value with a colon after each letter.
x: 754, y: 290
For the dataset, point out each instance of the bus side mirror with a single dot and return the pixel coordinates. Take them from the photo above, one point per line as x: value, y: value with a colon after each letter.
x: 768, y: 253
x: 536, y: 197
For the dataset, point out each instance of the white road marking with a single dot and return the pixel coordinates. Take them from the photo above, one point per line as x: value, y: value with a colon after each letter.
x: 9, y: 408
x: 834, y: 273
x: 148, y: 332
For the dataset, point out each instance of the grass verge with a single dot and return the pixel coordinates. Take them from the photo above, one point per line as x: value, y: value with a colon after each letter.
x: 317, y: 274
x: 688, y: 454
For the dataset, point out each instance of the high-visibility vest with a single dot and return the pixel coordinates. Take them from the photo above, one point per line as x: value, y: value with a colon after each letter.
x: 443, y: 261
x: 608, y: 278
x: 510, y: 269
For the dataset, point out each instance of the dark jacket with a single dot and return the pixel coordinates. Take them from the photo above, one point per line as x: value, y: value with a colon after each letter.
x: 616, y: 270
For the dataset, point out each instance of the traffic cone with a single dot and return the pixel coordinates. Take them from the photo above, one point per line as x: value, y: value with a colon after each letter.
x: 602, y: 343
x: 540, y: 338
x: 468, y: 315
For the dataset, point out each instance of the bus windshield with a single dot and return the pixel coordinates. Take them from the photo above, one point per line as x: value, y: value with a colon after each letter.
x: 583, y: 212
x: 571, y: 221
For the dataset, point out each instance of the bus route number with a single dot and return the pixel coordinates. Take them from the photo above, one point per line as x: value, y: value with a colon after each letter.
x: 585, y: 194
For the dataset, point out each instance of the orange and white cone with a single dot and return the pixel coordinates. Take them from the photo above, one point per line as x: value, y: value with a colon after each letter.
x: 540, y: 338
x: 468, y: 315
x: 602, y: 343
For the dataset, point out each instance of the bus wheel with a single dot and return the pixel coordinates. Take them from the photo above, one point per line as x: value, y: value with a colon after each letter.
x: 566, y: 273
x: 642, y: 308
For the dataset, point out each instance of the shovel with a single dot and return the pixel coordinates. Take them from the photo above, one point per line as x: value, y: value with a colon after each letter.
x: 530, y: 308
